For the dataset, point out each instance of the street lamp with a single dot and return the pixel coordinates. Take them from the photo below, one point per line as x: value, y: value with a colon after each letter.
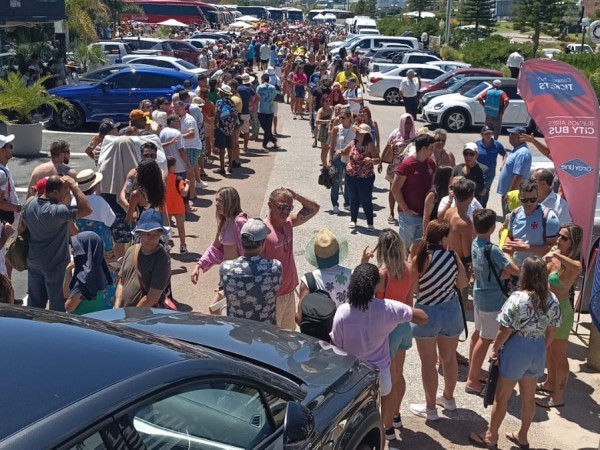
x: 583, y: 22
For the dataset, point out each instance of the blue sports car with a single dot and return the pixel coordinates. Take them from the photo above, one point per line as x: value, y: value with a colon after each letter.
x: 116, y: 95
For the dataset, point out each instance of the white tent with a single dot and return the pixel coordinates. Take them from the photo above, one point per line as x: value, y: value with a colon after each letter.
x: 330, y: 16
x: 319, y: 17
x: 240, y: 24
x: 424, y: 14
x: 172, y: 23
x: 248, y: 19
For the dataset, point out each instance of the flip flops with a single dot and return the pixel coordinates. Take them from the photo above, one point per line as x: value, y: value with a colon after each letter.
x: 512, y: 437
x: 540, y: 388
x: 548, y: 403
x: 468, y: 390
x: 478, y: 440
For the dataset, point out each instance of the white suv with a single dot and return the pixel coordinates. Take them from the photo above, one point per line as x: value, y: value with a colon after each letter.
x: 386, y: 85
x: 457, y: 112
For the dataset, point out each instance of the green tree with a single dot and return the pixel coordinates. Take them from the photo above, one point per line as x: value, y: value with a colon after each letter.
x: 359, y: 7
x: 478, y: 13
x: 539, y: 16
x: 83, y: 15
x: 118, y: 7
x: 420, y: 5
x: 370, y: 8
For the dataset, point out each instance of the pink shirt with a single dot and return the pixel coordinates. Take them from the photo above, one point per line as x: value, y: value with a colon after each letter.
x: 280, y: 245
x: 364, y: 334
x: 299, y: 79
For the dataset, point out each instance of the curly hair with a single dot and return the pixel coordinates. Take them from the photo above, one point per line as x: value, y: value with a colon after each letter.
x: 150, y: 180
x: 361, y: 289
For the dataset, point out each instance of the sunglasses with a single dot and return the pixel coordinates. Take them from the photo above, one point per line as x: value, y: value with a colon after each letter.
x: 563, y: 237
x: 440, y: 140
x: 284, y: 207
x: 528, y: 200
x: 149, y: 156
x: 469, y: 153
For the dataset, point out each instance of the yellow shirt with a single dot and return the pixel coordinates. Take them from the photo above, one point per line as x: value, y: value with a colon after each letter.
x: 238, y: 103
x: 342, y: 77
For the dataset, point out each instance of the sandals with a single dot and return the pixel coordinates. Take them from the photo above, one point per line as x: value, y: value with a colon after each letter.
x: 540, y: 388
x: 391, y: 220
x: 478, y: 440
x: 548, y: 403
x: 512, y: 437
x: 468, y: 390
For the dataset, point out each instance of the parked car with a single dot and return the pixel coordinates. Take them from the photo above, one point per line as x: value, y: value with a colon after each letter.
x: 140, y: 378
x: 446, y: 80
x: 401, y: 57
x: 461, y: 85
x: 578, y: 48
x: 93, y: 76
x: 184, y: 50
x: 145, y: 43
x: 384, y: 54
x: 386, y: 85
x: 449, y: 66
x: 166, y: 62
x: 200, y: 43
x: 365, y: 43
x: 214, y: 35
x: 116, y: 51
x: 116, y: 95
x: 457, y: 112
x: 550, y: 53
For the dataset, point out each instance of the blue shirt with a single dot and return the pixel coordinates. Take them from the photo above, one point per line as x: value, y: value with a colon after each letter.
x: 267, y: 93
x: 245, y: 93
x: 488, y: 156
x: 530, y: 230
x: 518, y: 162
x: 250, y: 52
x: 487, y: 293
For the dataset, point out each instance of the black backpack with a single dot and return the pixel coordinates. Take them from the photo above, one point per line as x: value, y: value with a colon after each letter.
x: 317, y: 311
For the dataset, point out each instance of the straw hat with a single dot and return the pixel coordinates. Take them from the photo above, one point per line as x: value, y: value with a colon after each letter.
x: 326, y: 249
x: 363, y: 128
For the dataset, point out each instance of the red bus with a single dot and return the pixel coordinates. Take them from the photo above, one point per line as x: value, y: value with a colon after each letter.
x: 156, y: 11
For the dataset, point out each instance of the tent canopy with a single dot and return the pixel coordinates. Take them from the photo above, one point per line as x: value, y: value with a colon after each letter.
x: 172, y: 23
x: 319, y: 17
x: 424, y: 14
x: 248, y: 19
x: 240, y: 24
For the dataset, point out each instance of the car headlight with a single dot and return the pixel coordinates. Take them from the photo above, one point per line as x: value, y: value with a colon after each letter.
x: 438, y: 106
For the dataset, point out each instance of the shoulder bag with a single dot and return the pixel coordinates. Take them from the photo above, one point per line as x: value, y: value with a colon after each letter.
x: 388, y: 154
x: 167, y: 302
x: 17, y: 250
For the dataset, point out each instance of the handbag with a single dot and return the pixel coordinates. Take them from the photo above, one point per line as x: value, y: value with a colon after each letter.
x: 388, y: 154
x: 167, y: 302
x: 327, y: 176
x: 17, y: 250
x: 489, y: 391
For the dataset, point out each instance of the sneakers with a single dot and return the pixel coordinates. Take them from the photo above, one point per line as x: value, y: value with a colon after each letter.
x: 390, y: 434
x: 183, y: 249
x: 335, y: 210
x: 422, y: 411
x: 397, y: 421
x: 450, y: 405
x: 370, y: 228
x: 201, y: 184
x: 352, y: 225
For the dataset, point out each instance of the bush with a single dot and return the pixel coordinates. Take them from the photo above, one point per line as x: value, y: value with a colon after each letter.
x: 451, y: 54
x: 492, y: 52
x: 395, y: 26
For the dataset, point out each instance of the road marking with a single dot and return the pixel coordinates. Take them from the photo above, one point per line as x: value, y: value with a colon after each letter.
x: 67, y: 132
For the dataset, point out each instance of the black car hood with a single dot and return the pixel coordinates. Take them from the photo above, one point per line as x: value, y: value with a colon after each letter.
x: 313, y: 362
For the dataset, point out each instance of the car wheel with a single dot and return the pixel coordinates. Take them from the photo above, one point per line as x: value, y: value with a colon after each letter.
x: 69, y: 119
x: 456, y: 120
x: 392, y: 96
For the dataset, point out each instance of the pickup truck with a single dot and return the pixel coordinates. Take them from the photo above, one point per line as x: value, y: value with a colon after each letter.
x: 115, y: 51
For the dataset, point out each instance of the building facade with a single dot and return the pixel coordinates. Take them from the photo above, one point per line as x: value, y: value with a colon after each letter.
x: 31, y: 11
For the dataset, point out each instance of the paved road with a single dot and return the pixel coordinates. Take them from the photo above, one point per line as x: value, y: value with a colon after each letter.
x: 297, y: 165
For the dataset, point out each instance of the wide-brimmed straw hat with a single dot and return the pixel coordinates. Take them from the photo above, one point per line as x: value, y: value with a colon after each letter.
x: 326, y: 249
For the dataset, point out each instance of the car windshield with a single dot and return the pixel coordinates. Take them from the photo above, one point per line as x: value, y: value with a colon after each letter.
x: 471, y: 93
x: 351, y: 41
x: 184, y: 63
x: 456, y: 85
x: 439, y: 78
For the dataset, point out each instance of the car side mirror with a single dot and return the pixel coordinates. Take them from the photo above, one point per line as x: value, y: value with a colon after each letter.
x: 298, y: 426
x: 104, y: 85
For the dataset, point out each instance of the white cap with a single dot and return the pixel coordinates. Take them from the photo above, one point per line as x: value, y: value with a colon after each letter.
x: 497, y: 83
x: 6, y: 139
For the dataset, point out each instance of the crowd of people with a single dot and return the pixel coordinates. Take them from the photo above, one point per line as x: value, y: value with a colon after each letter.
x: 101, y: 238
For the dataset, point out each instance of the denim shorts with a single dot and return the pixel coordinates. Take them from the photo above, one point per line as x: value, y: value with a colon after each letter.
x: 523, y: 357
x: 400, y: 338
x: 411, y: 229
x: 299, y: 91
x: 445, y: 319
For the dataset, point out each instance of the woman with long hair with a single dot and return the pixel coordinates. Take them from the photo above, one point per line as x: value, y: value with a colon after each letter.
x: 437, y: 274
x: 342, y: 133
x: 439, y: 190
x: 227, y: 244
x: 361, y: 327
x: 365, y: 116
x: 299, y: 81
x: 149, y: 191
x: 360, y: 175
x: 395, y: 284
x: 527, y: 325
x: 398, y: 139
x: 322, y: 120
x: 564, y: 266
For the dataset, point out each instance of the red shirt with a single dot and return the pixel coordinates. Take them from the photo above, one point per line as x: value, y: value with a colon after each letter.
x: 280, y: 245
x: 419, y: 179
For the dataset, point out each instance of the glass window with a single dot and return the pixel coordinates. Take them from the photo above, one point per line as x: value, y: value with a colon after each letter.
x: 511, y: 91
x: 429, y: 74
x: 212, y: 413
x: 93, y: 442
x: 124, y: 80
x: 155, y: 80
x: 477, y: 90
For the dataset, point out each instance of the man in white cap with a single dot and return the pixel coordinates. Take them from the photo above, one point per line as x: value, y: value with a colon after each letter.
x: 246, y: 93
x: 266, y: 100
x: 9, y: 200
x: 471, y: 169
x: 259, y: 277
x: 409, y: 92
x: 275, y: 81
x: 494, y: 102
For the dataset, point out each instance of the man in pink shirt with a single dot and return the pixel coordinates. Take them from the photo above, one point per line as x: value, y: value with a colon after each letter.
x: 279, y: 245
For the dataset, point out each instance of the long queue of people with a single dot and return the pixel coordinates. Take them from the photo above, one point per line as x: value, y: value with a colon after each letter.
x: 100, y: 238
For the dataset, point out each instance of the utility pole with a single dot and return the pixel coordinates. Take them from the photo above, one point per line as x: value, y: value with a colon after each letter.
x: 448, y: 20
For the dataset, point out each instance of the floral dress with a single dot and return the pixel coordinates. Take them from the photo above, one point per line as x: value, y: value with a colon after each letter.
x: 399, y: 155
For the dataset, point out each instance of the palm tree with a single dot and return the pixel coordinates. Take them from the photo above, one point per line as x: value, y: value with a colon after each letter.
x: 83, y: 15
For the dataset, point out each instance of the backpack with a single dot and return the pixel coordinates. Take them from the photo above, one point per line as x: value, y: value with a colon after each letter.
x: 504, y: 286
x: 318, y: 310
x: 7, y: 216
x: 545, y: 212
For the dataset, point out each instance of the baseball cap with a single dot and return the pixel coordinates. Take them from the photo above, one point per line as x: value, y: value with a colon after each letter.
x: 255, y: 230
x: 351, y: 80
x: 40, y: 186
x: 6, y: 139
x: 107, y: 125
x: 471, y: 146
x: 486, y: 129
x: 497, y: 83
x: 518, y: 130
x: 137, y: 114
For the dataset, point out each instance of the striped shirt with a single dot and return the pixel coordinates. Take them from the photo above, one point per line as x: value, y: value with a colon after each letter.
x: 436, y: 284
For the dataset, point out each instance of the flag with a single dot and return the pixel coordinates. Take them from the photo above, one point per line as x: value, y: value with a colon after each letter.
x: 561, y: 101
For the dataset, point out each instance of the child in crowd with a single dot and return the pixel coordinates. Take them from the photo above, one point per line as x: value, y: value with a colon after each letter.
x: 177, y: 190
x: 490, y: 266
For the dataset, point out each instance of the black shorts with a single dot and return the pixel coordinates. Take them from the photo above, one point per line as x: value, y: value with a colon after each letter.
x: 264, y: 61
x: 222, y: 140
